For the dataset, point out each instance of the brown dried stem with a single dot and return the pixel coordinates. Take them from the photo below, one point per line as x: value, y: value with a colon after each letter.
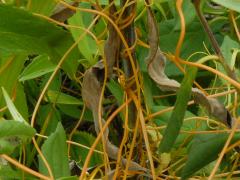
x: 213, y: 41
x: 129, y: 35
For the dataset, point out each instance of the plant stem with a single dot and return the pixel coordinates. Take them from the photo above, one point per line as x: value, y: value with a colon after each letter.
x: 213, y: 40
x: 129, y: 34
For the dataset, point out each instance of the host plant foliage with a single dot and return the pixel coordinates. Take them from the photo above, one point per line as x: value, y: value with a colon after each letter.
x: 119, y: 89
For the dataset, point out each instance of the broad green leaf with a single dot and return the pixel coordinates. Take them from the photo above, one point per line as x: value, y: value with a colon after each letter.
x: 11, y: 107
x: 12, y: 133
x: 189, y: 14
x: 7, y: 145
x: 70, y: 110
x: 189, y: 125
x: 231, y: 4
x: 15, y: 128
x: 21, y: 101
x: 193, y: 41
x: 180, y: 107
x: 48, y: 118
x: 87, y: 45
x: 62, y: 98
x: 79, y: 154
x: 6, y: 173
x: 44, y: 7
x: 35, y: 35
x: 205, y: 148
x: 56, y: 82
x: 55, y: 151
x: 13, y: 64
x: 39, y: 66
x: 227, y: 46
x: 116, y: 90
x: 147, y: 92
x: 159, y: 7
x: 142, y: 53
x: 74, y: 111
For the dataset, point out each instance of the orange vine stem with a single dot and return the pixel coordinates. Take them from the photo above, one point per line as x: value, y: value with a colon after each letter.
x: 202, y: 66
x: 235, y: 24
x: 24, y: 168
x: 144, y: 131
x: 43, y: 158
x: 183, y: 28
x: 224, y: 150
x: 150, y: 116
x: 108, y: 121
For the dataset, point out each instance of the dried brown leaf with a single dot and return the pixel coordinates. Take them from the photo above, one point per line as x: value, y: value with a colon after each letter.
x: 156, y: 71
x: 156, y: 66
x: 92, y: 88
x: 112, y: 45
x: 91, y: 92
x: 111, y: 49
x: 152, y: 35
x: 213, y: 106
x: 62, y: 13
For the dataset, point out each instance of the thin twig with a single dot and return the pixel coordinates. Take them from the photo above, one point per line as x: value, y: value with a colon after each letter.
x: 213, y: 40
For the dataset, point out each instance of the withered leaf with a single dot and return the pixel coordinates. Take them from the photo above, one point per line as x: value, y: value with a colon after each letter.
x: 213, y: 106
x: 112, y: 45
x: 91, y: 91
x: 156, y: 71
x: 152, y: 35
x: 111, y: 49
x: 62, y: 13
x: 156, y: 66
x: 92, y: 88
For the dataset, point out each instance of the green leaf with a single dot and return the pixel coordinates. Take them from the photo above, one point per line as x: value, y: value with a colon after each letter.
x: 21, y: 101
x: 7, y: 145
x: 180, y: 107
x: 12, y: 133
x: 147, y: 91
x: 18, y: 43
x: 69, y: 178
x: 75, y: 112
x: 39, y: 66
x: 231, y: 4
x: 193, y: 42
x: 106, y: 2
x: 48, y: 118
x: 44, y: 7
x: 70, y: 110
x: 189, y: 125
x: 14, y: 112
x: 87, y: 45
x: 189, y: 14
x: 205, y: 148
x: 6, y: 173
x: 116, y: 90
x: 62, y: 98
x: 9, y: 80
x: 227, y: 46
x: 80, y: 153
x: 35, y: 35
x: 15, y: 128
x: 55, y: 151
